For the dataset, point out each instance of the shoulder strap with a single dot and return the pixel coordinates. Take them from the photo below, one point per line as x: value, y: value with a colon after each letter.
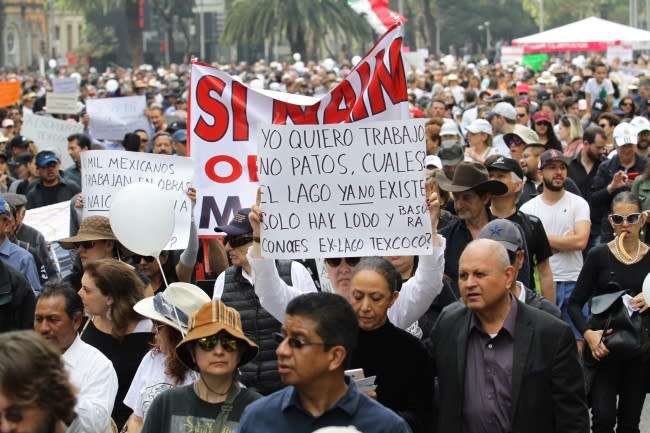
x: 227, y: 406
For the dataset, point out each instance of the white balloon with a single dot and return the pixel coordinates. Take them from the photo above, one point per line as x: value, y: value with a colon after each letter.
x: 51, y: 63
x: 355, y: 60
x: 112, y: 85
x: 646, y: 288
x: 328, y: 64
x: 142, y: 218
x: 77, y: 77
x: 297, y: 57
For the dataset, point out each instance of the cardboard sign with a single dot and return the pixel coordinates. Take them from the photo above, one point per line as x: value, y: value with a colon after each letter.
x: 9, y: 93
x: 225, y: 116
x: 112, y: 118
x: 105, y: 172
x: 62, y: 103
x: 51, y: 134
x: 64, y: 85
x: 354, y: 189
x: 53, y: 220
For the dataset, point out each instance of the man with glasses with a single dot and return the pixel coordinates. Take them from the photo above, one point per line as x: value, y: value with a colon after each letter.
x: 35, y: 393
x: 319, y: 333
x: 238, y: 287
x: 51, y: 187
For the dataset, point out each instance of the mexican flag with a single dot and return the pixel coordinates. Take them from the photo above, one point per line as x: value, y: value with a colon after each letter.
x: 379, y: 16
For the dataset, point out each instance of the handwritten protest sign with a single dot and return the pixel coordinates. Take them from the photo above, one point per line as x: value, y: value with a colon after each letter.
x: 64, y: 85
x: 104, y: 172
x: 50, y: 133
x: 352, y: 189
x: 111, y: 118
x: 62, y: 103
x: 53, y: 220
x: 225, y: 116
x: 9, y: 93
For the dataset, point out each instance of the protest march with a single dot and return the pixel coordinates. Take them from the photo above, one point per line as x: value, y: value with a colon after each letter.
x: 399, y: 242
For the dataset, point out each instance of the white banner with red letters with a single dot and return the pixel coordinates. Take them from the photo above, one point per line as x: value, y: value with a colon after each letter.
x: 225, y: 116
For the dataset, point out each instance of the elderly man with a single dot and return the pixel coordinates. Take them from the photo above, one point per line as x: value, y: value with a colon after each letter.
x: 501, y: 364
x: 12, y: 254
x: 58, y: 315
x: 472, y: 191
x: 318, y: 334
x: 35, y: 394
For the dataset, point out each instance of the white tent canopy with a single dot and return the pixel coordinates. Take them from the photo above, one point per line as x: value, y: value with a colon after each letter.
x: 590, y: 34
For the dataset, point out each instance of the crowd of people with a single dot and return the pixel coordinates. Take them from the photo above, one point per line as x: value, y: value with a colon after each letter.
x: 538, y: 190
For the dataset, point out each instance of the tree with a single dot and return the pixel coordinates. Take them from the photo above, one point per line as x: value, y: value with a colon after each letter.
x: 94, y: 9
x: 172, y: 12
x: 304, y: 23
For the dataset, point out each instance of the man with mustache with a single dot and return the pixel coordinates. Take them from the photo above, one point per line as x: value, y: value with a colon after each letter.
x: 565, y: 217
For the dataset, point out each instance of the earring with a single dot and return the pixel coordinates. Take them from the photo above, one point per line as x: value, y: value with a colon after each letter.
x: 109, y: 312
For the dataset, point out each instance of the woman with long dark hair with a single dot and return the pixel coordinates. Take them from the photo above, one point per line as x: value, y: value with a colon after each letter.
x: 543, y: 123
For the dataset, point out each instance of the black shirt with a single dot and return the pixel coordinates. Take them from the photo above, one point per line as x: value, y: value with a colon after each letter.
x: 579, y: 174
x: 41, y: 195
x: 536, y: 241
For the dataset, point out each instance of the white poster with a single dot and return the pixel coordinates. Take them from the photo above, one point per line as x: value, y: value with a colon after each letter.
x: 64, y: 85
x: 105, y: 172
x: 51, y: 134
x: 53, y: 220
x: 352, y: 189
x: 62, y: 103
x: 112, y: 118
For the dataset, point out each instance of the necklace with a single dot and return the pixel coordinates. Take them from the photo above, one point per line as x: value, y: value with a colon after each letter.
x: 196, y: 388
x: 622, y: 256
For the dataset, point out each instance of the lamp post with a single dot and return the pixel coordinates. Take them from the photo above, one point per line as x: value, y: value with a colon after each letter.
x: 541, y: 15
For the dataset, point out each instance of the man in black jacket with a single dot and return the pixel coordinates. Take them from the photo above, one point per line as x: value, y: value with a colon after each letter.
x: 17, y: 300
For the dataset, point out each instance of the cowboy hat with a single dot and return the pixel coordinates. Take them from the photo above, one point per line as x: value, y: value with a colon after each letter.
x: 471, y: 175
x: 93, y: 228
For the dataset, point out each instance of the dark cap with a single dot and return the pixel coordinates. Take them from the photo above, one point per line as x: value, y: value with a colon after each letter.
x: 450, y: 152
x: 175, y: 126
x: 15, y: 200
x: 553, y: 155
x: 180, y: 136
x: 19, y: 141
x: 239, y: 225
x: 44, y: 157
x: 507, y: 164
x: 504, y: 232
x: 24, y: 158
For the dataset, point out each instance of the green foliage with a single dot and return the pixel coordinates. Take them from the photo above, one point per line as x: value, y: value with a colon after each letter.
x: 301, y: 22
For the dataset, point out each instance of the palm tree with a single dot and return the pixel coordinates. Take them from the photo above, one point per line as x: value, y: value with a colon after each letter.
x: 302, y: 22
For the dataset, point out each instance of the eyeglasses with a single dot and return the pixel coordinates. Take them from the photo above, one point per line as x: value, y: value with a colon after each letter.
x: 516, y: 142
x: 237, y: 241
x: 148, y: 259
x: 336, y: 261
x: 12, y: 414
x: 632, y: 218
x: 48, y: 165
x: 85, y: 244
x: 229, y: 344
x: 294, y: 342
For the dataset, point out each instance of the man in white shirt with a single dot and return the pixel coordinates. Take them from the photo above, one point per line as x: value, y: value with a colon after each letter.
x: 58, y: 315
x: 565, y: 217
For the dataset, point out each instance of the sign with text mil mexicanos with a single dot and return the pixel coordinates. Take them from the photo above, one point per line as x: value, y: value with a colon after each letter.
x: 225, y: 117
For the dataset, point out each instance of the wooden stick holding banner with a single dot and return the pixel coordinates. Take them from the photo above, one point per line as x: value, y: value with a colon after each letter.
x: 353, y: 189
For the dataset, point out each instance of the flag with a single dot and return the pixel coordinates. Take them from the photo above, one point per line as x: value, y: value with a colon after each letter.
x: 379, y: 16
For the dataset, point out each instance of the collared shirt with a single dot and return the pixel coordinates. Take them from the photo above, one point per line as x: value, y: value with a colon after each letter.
x: 21, y: 260
x: 93, y: 375
x: 282, y: 412
x: 487, y: 404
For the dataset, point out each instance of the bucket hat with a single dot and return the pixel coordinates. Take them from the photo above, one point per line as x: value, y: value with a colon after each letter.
x: 93, y: 228
x: 212, y: 318
x: 174, y: 306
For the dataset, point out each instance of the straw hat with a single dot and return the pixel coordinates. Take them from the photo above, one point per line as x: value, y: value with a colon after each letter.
x: 93, y: 228
x: 211, y: 319
x: 174, y: 306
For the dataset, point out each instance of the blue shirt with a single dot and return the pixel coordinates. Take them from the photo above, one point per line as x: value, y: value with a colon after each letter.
x: 21, y: 260
x: 282, y: 412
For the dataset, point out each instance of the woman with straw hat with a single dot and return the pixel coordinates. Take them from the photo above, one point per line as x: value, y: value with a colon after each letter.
x: 214, y: 347
x: 160, y: 368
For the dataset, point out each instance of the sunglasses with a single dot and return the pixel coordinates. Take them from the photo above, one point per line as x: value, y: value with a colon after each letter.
x: 229, y: 344
x: 516, y: 143
x: 147, y: 259
x: 48, y: 165
x: 293, y: 342
x: 12, y: 414
x: 87, y: 245
x: 336, y: 261
x: 632, y: 218
x: 237, y: 241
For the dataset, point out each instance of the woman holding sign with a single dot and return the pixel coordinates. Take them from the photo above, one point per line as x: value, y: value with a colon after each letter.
x: 404, y: 378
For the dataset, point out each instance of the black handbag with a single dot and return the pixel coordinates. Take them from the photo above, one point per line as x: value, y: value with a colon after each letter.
x: 609, y: 312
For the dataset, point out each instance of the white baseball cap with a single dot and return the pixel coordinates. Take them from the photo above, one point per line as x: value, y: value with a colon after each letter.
x: 449, y: 128
x: 479, y: 125
x: 625, y: 133
x: 432, y: 160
